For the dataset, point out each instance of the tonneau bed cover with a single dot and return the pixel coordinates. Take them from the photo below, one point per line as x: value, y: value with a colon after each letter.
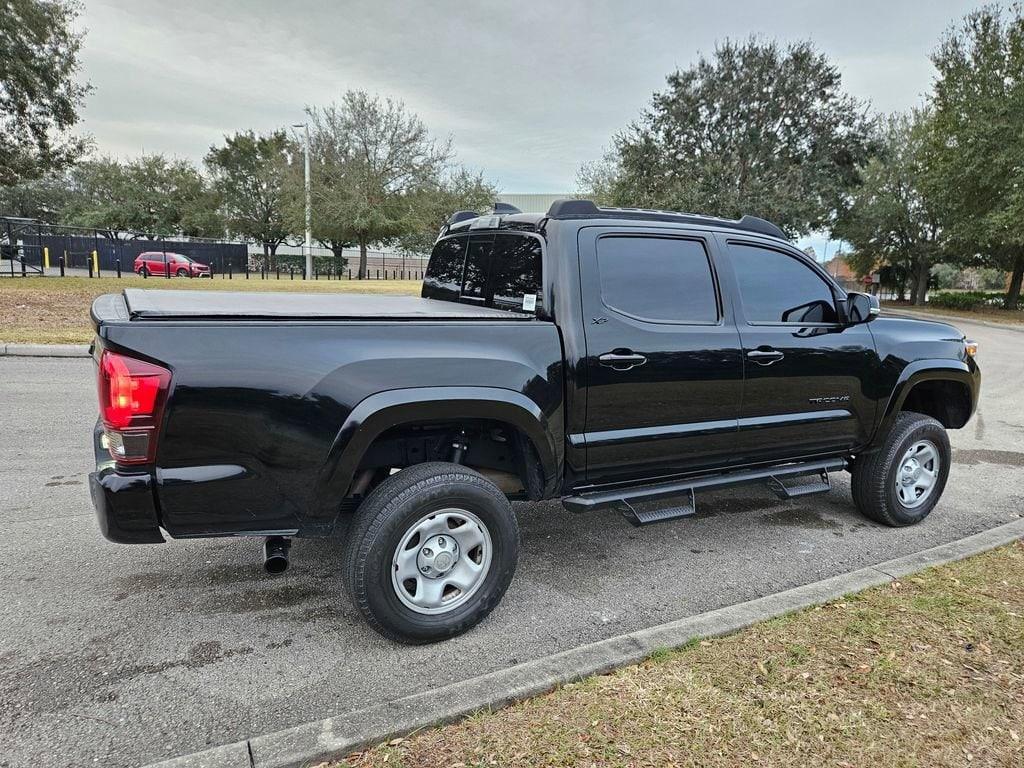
x: 139, y: 304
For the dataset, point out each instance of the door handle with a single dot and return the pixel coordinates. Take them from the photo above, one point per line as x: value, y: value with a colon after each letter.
x: 765, y: 356
x: 622, y: 361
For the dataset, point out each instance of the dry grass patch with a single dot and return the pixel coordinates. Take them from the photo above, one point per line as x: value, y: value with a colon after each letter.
x: 54, y: 310
x: 925, y: 672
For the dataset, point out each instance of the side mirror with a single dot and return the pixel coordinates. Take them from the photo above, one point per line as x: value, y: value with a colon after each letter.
x: 861, y: 308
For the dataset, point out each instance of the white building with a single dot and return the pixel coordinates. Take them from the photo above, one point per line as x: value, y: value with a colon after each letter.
x: 533, y: 203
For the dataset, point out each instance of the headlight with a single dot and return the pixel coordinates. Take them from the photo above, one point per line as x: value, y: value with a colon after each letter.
x: 971, y: 347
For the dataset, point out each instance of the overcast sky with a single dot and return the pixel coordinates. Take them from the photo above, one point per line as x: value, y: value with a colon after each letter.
x: 527, y: 90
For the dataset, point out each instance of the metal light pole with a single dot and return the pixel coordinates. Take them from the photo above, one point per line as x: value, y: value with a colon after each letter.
x: 307, y: 248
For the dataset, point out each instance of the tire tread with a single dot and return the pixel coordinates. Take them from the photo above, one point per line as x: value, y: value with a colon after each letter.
x: 870, y: 477
x: 374, y: 513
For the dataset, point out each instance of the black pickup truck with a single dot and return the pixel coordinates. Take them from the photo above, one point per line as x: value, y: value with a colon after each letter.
x: 605, y: 357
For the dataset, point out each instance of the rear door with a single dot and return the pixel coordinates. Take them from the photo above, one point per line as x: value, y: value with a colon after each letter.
x: 663, y: 365
x: 807, y: 387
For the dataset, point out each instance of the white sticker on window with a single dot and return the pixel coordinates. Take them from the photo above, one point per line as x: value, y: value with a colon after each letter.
x: 530, y: 302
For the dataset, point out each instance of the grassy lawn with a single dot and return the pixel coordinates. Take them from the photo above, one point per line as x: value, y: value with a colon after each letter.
x: 924, y: 672
x: 991, y: 314
x: 55, y: 310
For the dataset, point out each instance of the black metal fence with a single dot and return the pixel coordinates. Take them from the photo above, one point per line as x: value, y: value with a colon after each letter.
x: 30, y: 247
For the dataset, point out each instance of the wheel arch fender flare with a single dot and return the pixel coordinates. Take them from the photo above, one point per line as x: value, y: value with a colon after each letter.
x: 379, y: 412
x: 926, y: 370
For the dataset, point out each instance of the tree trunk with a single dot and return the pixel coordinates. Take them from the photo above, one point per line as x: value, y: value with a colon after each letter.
x: 362, y: 260
x: 339, y: 258
x: 921, y: 283
x: 1013, y: 294
x: 266, y: 255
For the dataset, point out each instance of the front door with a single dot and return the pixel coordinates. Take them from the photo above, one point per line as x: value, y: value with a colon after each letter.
x: 663, y: 366
x: 808, y: 375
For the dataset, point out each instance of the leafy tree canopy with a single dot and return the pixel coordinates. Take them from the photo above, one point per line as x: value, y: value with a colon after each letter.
x: 757, y: 129
x: 39, y: 95
x: 43, y: 198
x: 890, y: 219
x: 372, y: 161
x: 151, y: 195
x: 251, y: 173
x: 977, y: 166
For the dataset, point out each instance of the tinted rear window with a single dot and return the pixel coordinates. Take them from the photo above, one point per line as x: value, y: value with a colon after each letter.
x: 478, y: 265
x: 658, y: 279
x: 443, y: 279
x: 515, y: 270
x: 502, y: 271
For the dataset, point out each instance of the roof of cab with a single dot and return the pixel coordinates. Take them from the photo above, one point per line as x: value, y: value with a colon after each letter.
x: 462, y: 221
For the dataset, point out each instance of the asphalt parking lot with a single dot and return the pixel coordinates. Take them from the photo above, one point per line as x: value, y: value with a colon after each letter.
x: 116, y: 655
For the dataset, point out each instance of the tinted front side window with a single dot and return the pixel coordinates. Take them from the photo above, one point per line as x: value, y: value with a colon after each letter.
x: 776, y: 288
x: 660, y: 279
x: 443, y: 278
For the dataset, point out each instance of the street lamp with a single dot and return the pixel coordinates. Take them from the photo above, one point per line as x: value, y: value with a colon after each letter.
x: 308, y: 247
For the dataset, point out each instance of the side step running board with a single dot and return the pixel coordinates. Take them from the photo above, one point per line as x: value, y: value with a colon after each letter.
x: 648, y: 516
x: 822, y: 485
x: 631, y: 496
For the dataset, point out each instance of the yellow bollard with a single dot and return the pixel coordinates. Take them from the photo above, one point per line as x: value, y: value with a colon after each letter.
x: 46, y: 258
x: 96, y: 263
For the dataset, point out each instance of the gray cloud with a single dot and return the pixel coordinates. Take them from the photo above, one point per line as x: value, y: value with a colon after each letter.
x: 528, y: 91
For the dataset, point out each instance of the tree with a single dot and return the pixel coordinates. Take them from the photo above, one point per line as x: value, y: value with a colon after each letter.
x: 251, y: 172
x: 44, y: 198
x: 891, y: 220
x: 150, y: 195
x: 373, y: 161
x: 39, y: 96
x: 458, y: 190
x: 755, y: 129
x: 977, y: 168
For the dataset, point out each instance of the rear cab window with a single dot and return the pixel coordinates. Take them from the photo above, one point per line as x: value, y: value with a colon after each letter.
x: 502, y: 271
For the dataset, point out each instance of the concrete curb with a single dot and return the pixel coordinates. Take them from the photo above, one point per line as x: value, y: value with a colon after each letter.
x: 954, y: 319
x: 44, y: 350
x: 335, y: 737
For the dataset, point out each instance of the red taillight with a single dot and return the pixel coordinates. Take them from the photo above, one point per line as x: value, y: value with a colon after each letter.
x: 132, y: 395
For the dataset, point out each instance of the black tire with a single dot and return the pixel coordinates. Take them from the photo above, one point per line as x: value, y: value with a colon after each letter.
x: 874, y: 475
x: 182, y: 273
x: 143, y: 272
x: 389, y: 513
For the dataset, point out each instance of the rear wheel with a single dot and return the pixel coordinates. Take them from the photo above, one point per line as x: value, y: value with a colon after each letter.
x: 901, y: 483
x: 430, y: 552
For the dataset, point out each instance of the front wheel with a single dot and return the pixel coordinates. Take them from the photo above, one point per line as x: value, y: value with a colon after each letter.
x: 901, y: 482
x: 430, y: 552
x: 182, y: 273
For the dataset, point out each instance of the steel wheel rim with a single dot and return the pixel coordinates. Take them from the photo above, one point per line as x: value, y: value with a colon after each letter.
x: 917, y: 474
x: 441, y: 561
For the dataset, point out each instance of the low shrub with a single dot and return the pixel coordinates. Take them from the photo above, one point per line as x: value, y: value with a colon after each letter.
x: 968, y: 300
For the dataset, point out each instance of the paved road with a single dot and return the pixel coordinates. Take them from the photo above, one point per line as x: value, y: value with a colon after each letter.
x: 116, y: 655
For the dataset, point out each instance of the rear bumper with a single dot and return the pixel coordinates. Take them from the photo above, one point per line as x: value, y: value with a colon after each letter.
x: 124, y: 503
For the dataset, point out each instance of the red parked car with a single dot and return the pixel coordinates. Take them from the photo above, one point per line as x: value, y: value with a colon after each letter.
x: 178, y: 265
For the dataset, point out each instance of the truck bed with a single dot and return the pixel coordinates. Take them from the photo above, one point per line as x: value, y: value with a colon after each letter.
x: 139, y: 304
